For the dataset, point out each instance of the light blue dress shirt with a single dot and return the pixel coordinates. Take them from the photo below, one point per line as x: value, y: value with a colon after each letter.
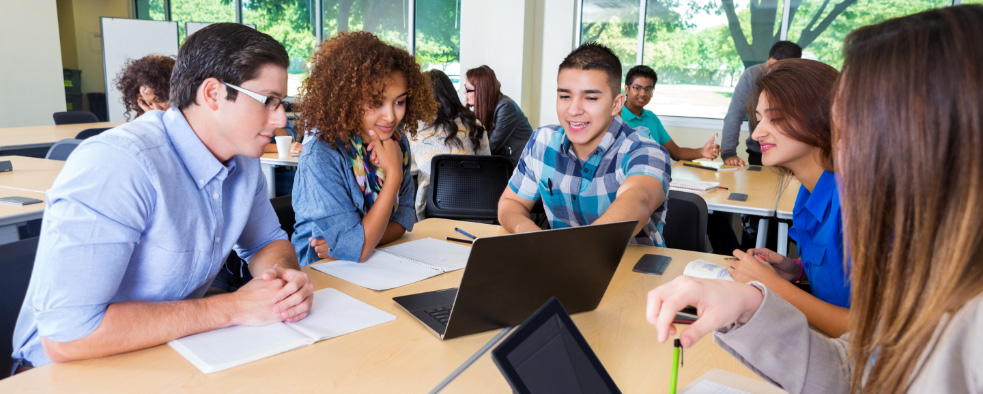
x: 329, y: 205
x: 654, y: 128
x: 142, y: 212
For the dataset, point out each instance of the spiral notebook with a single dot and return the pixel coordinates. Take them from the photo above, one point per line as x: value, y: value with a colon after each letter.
x: 400, y: 265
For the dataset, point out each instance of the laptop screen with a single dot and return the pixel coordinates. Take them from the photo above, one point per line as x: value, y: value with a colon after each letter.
x: 547, y: 354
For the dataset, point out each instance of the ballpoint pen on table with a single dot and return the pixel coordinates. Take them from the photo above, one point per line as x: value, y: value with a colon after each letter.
x: 677, y: 361
x: 465, y: 233
x: 467, y: 241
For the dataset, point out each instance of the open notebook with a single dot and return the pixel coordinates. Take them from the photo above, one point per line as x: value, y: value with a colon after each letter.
x: 691, y: 186
x: 400, y: 265
x: 333, y: 314
x: 707, y: 270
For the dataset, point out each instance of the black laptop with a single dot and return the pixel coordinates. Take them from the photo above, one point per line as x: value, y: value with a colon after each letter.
x: 509, y: 276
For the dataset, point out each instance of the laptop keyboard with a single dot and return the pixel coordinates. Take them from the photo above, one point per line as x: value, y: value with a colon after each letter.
x: 441, y: 314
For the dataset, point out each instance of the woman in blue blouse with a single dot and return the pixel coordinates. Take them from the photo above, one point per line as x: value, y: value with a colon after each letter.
x: 353, y: 189
x: 792, y: 111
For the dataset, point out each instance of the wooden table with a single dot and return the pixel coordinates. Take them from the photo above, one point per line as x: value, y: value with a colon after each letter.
x: 761, y: 188
x: 786, y: 203
x: 402, y: 356
x: 12, y: 138
x: 31, y: 174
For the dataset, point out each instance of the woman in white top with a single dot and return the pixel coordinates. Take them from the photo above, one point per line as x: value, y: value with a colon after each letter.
x: 907, y: 133
x: 455, y: 131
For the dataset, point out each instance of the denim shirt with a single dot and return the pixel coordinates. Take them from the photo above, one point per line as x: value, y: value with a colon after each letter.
x: 329, y: 205
x: 817, y: 227
x: 142, y: 212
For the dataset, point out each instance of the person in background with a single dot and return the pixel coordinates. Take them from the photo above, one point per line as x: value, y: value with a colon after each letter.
x: 639, y: 84
x: 907, y: 137
x: 353, y: 190
x: 145, y: 84
x: 455, y: 131
x: 508, y: 128
x: 738, y: 108
x: 591, y: 168
x: 792, y: 124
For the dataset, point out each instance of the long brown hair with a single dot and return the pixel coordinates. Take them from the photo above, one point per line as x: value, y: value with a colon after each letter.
x: 487, y: 91
x: 800, y: 92
x: 908, y: 121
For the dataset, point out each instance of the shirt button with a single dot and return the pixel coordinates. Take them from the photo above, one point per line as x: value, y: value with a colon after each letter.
x: 201, y: 181
x: 215, y: 196
x: 217, y: 239
x: 585, y: 171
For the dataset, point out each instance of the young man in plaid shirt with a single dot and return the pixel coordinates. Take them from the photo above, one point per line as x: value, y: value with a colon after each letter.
x: 591, y: 168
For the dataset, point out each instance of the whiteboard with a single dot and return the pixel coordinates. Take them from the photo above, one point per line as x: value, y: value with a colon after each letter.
x: 192, y: 27
x: 125, y: 39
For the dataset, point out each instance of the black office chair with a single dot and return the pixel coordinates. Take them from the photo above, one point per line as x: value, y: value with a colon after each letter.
x: 90, y: 132
x: 16, y: 262
x: 73, y: 117
x: 61, y: 149
x: 283, y: 206
x: 466, y: 187
x: 686, y: 222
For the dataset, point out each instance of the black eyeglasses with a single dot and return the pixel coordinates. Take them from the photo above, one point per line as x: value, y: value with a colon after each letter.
x: 272, y: 103
x: 647, y: 89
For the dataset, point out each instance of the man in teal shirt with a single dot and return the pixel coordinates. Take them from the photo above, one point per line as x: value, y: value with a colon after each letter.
x: 639, y: 84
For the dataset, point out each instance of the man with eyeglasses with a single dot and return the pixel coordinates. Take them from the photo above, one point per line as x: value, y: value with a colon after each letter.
x: 639, y: 84
x: 142, y: 216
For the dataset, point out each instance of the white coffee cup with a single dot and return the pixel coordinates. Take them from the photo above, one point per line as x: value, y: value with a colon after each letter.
x: 283, y: 145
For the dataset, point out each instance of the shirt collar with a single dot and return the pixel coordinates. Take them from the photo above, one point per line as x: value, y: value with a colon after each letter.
x: 822, y: 194
x: 612, y: 134
x: 200, y: 162
x: 628, y: 116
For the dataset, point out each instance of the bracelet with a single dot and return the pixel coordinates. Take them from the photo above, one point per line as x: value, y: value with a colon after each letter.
x: 802, y: 270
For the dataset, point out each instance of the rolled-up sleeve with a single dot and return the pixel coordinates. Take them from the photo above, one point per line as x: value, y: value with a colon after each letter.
x: 86, y: 245
x: 648, y: 158
x: 324, y: 207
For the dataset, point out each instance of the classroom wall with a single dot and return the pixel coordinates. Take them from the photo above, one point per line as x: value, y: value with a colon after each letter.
x: 88, y: 39
x: 500, y: 34
x: 31, y: 81
x: 556, y: 22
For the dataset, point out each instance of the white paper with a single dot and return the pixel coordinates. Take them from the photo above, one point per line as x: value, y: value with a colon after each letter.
x: 443, y: 254
x: 338, y: 314
x: 332, y: 314
x: 711, y: 387
x: 693, y: 185
x: 705, y: 269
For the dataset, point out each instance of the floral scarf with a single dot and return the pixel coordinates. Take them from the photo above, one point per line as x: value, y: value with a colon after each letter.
x: 369, y: 177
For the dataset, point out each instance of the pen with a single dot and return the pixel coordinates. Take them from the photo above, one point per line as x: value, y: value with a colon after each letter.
x: 465, y: 233
x: 459, y: 240
x: 715, y: 144
x: 699, y: 166
x: 677, y: 360
x: 722, y: 187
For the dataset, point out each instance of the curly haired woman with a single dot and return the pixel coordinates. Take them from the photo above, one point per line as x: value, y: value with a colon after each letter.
x: 145, y: 84
x: 353, y: 189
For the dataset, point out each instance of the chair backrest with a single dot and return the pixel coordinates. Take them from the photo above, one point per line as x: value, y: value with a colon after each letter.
x: 61, y: 149
x: 73, y: 117
x: 686, y: 222
x: 16, y: 263
x: 283, y: 206
x: 467, y: 187
x: 90, y: 132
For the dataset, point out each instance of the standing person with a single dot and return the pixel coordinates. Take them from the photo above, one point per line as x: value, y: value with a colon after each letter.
x: 508, y: 128
x: 455, y: 131
x: 143, y: 215
x: 639, y: 85
x: 353, y: 190
x: 792, y: 124
x: 145, y: 84
x: 738, y: 107
x: 911, y: 221
x: 591, y: 168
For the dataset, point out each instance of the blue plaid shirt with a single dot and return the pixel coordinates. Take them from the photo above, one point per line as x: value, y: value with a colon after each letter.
x: 576, y: 193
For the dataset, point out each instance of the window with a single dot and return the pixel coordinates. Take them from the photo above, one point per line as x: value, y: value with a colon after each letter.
x: 438, y: 37
x: 387, y: 19
x: 208, y: 11
x: 700, y: 48
x: 289, y: 22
